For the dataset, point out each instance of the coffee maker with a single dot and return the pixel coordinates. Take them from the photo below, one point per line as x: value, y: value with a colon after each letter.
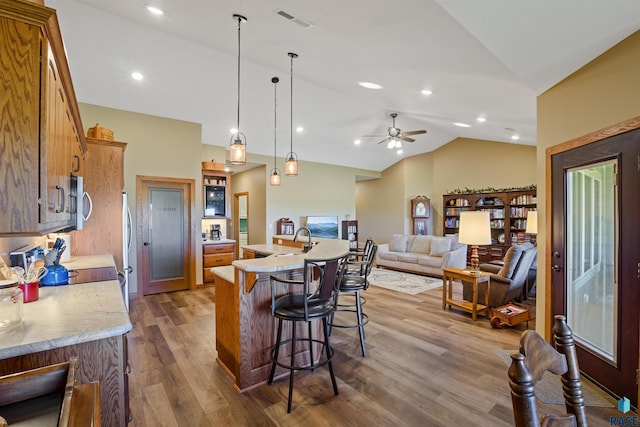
x: 216, y: 234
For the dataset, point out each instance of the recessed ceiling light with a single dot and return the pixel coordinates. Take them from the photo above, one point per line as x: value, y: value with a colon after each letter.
x: 137, y: 75
x: 357, y: 142
x: 461, y: 125
x: 399, y: 152
x: 299, y: 129
x: 233, y: 131
x: 515, y: 137
x: 481, y: 119
x: 370, y: 85
x: 426, y: 92
x: 155, y: 10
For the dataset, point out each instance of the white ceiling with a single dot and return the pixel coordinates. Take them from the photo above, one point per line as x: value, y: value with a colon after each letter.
x: 489, y: 58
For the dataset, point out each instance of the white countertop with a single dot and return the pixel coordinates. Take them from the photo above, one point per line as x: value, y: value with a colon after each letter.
x: 83, y: 262
x: 69, y: 314
x: 217, y: 242
x: 285, y: 258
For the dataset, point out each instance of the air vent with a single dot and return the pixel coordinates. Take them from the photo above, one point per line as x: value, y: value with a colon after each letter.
x: 303, y: 23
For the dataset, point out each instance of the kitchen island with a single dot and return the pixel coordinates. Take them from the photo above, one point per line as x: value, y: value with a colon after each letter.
x: 86, y: 320
x: 245, y: 329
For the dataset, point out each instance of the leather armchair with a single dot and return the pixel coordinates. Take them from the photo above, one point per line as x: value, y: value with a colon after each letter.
x: 509, y: 280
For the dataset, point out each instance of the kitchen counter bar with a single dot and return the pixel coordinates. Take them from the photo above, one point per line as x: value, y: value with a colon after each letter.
x: 245, y: 329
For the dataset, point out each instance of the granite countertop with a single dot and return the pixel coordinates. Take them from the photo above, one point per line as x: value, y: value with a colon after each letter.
x: 285, y: 258
x: 69, y: 314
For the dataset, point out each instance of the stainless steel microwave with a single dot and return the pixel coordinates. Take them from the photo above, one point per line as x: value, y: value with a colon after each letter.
x: 215, y: 202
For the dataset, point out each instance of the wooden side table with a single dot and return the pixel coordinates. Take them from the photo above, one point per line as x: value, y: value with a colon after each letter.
x: 451, y: 274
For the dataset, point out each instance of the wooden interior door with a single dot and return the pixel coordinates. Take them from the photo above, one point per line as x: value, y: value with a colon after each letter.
x: 595, y: 258
x: 166, y: 246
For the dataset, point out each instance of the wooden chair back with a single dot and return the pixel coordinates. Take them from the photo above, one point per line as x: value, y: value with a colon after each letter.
x: 527, y: 367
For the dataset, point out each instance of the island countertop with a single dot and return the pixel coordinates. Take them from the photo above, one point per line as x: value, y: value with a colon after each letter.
x: 67, y: 315
x: 285, y: 258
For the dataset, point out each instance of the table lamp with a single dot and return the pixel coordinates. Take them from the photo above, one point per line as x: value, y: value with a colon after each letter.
x: 475, y: 229
x: 532, y: 223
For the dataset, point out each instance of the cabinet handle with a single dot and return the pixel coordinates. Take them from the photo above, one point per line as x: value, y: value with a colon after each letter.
x: 76, y: 168
x: 127, y: 368
x: 60, y: 198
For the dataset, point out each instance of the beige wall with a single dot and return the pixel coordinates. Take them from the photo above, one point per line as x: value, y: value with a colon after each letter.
x: 253, y: 182
x: 156, y: 146
x: 602, y: 93
x: 383, y: 205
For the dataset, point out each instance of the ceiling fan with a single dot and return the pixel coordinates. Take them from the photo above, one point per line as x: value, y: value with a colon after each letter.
x: 396, y: 135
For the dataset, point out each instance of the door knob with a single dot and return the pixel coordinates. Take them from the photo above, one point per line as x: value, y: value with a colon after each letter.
x: 146, y: 243
x: 555, y: 267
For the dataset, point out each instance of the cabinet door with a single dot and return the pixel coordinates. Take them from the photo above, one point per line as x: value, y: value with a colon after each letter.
x: 20, y: 46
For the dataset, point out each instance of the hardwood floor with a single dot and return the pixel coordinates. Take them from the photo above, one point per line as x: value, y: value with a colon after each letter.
x: 425, y: 367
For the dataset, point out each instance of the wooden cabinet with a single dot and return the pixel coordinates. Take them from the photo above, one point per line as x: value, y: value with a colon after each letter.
x: 350, y: 233
x: 216, y: 255
x: 100, y: 360
x: 42, y: 127
x: 507, y: 213
x: 104, y: 181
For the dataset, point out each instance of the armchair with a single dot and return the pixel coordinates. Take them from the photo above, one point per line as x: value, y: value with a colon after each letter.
x: 509, y: 280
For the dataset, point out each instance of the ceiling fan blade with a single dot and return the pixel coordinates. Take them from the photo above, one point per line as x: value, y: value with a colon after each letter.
x: 406, y: 138
x: 373, y: 136
x: 385, y: 140
x: 414, y: 132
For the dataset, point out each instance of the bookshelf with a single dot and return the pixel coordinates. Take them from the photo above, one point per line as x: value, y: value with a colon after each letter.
x: 507, y: 213
x: 350, y: 233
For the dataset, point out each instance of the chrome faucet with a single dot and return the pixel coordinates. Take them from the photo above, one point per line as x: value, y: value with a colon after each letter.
x: 295, y: 238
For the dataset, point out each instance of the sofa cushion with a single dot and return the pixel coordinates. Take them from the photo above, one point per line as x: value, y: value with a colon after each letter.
x: 455, y: 244
x: 408, y: 258
x: 410, y: 240
x: 430, y: 261
x: 398, y: 243
x: 389, y: 256
x: 439, y: 246
x: 421, y: 245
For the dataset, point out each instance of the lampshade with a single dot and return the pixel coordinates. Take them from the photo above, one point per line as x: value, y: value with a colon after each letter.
x: 532, y: 222
x: 475, y: 228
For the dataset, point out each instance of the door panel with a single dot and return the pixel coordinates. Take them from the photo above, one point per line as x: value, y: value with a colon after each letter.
x: 594, y: 278
x: 166, y: 253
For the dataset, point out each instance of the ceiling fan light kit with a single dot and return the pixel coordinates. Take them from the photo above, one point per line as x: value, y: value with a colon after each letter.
x: 238, y: 147
x: 291, y: 165
x: 396, y: 136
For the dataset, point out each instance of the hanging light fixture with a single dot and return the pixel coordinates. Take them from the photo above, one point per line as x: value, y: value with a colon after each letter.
x: 291, y: 166
x: 275, y: 173
x: 238, y: 148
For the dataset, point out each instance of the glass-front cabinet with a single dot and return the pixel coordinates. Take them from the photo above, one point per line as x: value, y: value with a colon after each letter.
x: 216, y: 199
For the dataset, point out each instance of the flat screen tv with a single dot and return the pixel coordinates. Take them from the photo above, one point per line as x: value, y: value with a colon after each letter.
x: 323, y: 226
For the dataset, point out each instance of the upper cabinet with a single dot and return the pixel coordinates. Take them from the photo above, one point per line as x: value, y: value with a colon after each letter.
x: 43, y: 142
x: 216, y: 189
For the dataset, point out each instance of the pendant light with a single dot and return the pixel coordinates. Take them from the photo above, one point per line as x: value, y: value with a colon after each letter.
x: 238, y: 148
x: 291, y: 166
x: 275, y: 173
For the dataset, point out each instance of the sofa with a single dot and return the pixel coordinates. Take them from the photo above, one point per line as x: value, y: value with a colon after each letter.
x: 422, y: 254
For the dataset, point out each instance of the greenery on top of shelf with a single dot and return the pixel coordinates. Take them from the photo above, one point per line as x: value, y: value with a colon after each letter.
x: 490, y: 190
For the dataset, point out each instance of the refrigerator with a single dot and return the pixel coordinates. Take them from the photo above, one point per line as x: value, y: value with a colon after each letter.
x: 127, y: 230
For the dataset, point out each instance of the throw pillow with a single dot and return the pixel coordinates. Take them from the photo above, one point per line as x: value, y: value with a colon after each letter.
x: 439, y: 246
x: 421, y: 245
x: 398, y: 243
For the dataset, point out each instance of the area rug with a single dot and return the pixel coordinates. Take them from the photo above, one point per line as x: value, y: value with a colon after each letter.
x: 549, y: 389
x: 402, y: 282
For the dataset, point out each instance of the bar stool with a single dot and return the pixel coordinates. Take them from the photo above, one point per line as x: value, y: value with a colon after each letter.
x: 352, y: 284
x: 315, y: 302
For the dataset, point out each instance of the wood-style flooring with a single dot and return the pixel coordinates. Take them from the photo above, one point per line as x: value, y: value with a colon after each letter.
x: 425, y: 367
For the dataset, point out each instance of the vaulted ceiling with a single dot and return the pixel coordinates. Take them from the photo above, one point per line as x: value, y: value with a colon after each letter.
x: 486, y: 59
